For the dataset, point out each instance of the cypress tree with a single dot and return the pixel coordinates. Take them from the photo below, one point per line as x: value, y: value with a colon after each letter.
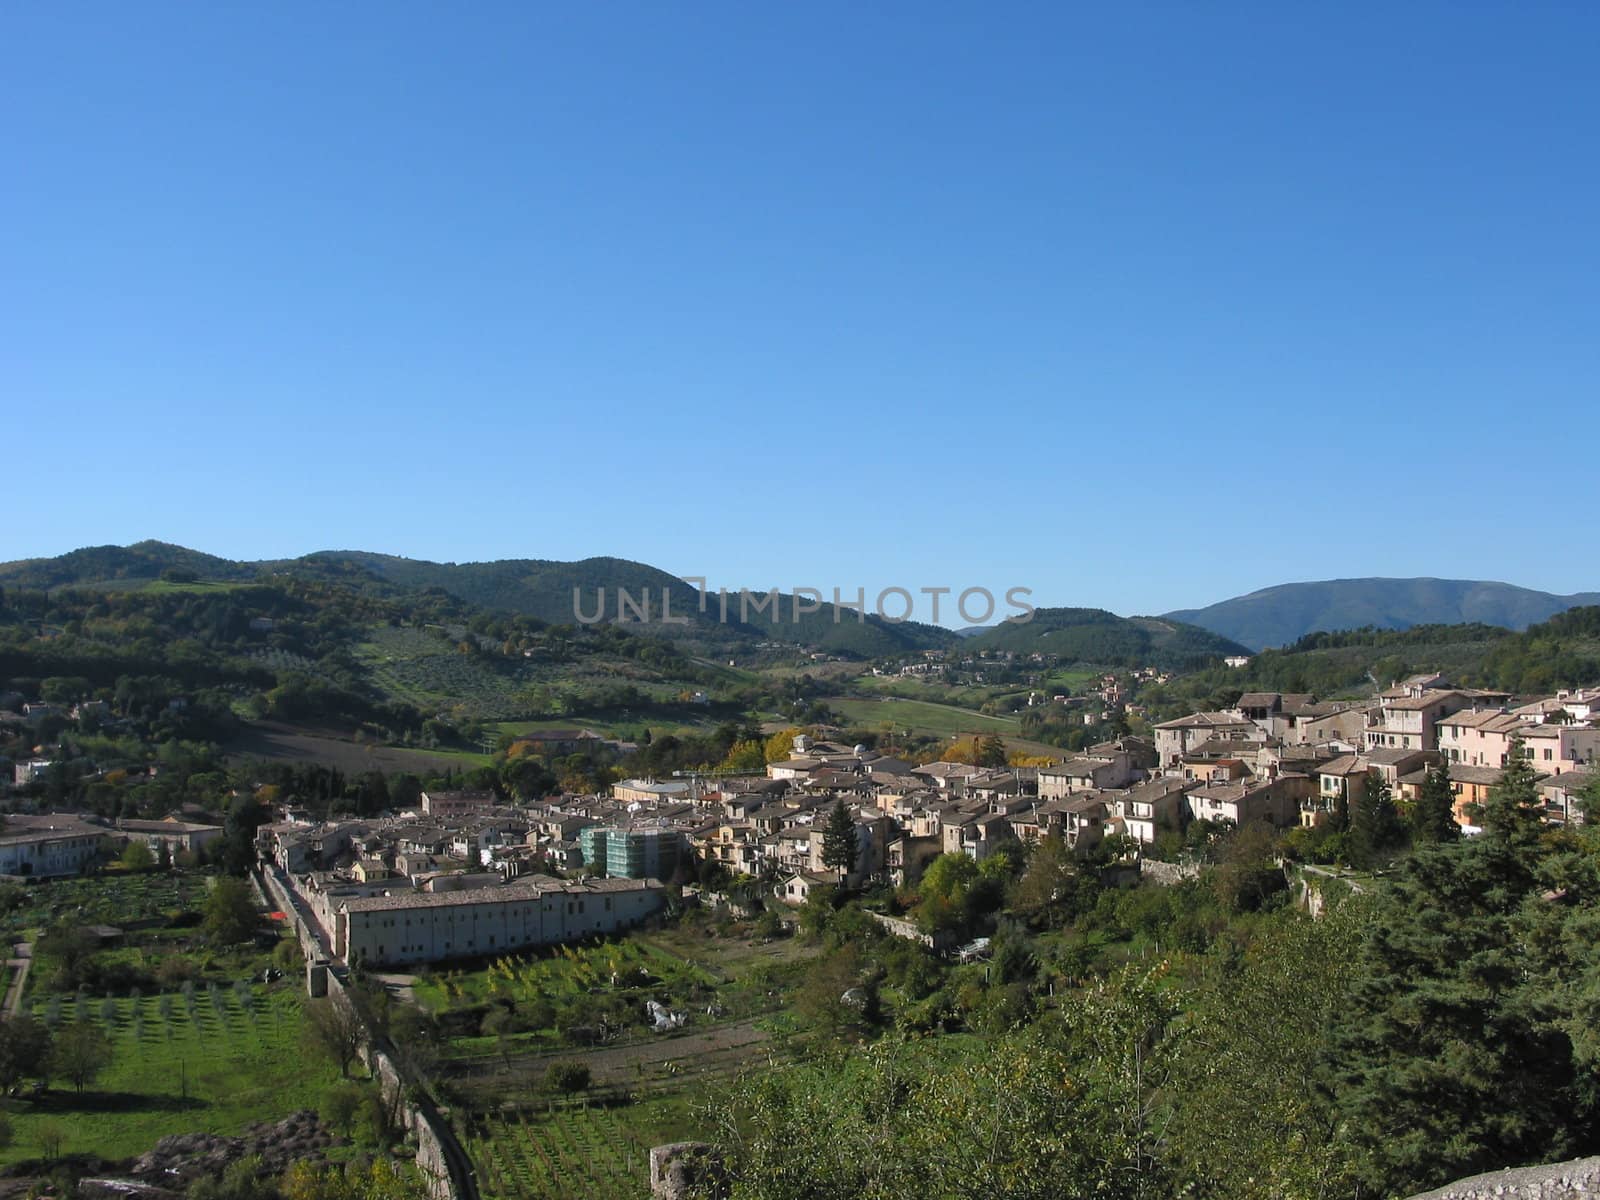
x: 1433, y: 815
x: 839, y: 841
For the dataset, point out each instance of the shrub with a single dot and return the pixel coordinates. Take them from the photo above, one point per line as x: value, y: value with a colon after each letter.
x: 566, y: 1077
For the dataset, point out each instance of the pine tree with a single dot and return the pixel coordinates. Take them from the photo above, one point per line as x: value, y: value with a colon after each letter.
x: 1375, y: 827
x: 1450, y: 1057
x: 839, y: 841
x: 1433, y: 815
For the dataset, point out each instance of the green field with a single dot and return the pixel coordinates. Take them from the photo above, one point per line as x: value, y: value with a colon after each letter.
x: 110, y: 899
x: 607, y: 982
x: 436, y: 759
x: 573, y: 1150
x: 427, y: 669
x: 932, y: 692
x: 215, y: 1059
x: 647, y: 1088
x: 620, y: 728
x: 424, y: 669
x: 1069, y: 679
x: 919, y: 716
x: 561, y: 971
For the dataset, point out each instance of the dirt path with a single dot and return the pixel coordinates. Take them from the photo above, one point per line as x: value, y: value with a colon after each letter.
x: 20, y: 962
x: 399, y: 986
x: 624, y: 1064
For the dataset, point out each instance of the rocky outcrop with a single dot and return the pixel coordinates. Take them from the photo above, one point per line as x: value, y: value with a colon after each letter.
x: 1578, y: 1179
x: 182, y: 1158
x: 681, y: 1170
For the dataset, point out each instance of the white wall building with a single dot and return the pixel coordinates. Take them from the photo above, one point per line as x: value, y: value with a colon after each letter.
x: 417, y: 927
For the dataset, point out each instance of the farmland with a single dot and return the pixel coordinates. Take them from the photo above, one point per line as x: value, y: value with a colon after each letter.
x: 106, y: 900
x: 530, y: 1143
x: 212, y: 1056
x: 603, y: 985
x: 591, y: 1150
x: 278, y: 742
x: 627, y: 729
x: 919, y: 716
x: 428, y: 670
x: 197, y: 1041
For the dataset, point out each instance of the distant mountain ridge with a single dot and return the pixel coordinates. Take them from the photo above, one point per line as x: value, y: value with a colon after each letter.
x: 1275, y: 616
x: 1279, y: 616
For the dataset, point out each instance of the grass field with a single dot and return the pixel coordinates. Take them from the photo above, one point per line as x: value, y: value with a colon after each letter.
x: 217, y: 1058
x: 919, y: 716
x: 435, y: 760
x: 933, y: 693
x: 621, y: 728
x: 1069, y: 680
x: 275, y: 741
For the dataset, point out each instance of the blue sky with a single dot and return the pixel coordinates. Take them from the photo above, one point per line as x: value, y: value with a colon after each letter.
x: 1140, y: 306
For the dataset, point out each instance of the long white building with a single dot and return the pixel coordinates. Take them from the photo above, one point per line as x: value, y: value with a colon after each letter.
x: 48, y: 844
x: 418, y: 927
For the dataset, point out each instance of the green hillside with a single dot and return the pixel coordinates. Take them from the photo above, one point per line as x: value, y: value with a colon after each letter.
x: 556, y: 593
x: 1092, y: 635
x: 120, y: 564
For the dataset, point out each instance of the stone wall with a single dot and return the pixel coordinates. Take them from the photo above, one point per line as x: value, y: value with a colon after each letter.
x: 440, y: 1157
x: 1167, y: 874
x: 909, y: 930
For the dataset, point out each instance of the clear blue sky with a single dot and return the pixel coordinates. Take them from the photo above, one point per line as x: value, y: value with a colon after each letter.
x: 1138, y: 306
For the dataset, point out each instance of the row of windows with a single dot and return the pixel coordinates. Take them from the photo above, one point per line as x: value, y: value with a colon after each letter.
x: 573, y: 908
x: 443, y: 951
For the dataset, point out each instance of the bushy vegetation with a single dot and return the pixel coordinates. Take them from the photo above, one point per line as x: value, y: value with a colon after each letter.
x: 1203, y: 1039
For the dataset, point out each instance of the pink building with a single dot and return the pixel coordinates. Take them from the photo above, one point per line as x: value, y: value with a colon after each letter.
x: 1557, y: 749
x: 1480, y: 738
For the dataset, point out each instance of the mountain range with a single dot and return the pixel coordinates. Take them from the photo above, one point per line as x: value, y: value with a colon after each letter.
x: 1278, y: 616
x: 548, y: 590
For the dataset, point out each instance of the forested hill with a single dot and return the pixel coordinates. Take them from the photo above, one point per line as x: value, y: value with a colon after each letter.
x: 1277, y: 616
x: 549, y: 591
x: 1095, y: 636
x: 323, y: 654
